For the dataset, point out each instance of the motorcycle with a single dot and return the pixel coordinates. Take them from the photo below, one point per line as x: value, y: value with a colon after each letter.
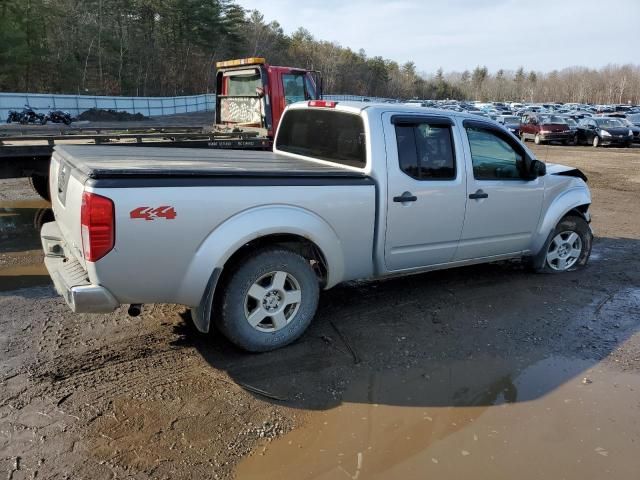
x: 60, y: 116
x: 29, y: 115
x: 14, y: 116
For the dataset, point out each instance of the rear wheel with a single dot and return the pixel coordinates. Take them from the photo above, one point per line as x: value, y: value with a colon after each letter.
x: 569, y: 247
x: 40, y: 184
x: 269, y: 300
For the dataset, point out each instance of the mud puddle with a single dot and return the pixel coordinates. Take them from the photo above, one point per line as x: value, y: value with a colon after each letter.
x: 21, y: 260
x: 557, y: 418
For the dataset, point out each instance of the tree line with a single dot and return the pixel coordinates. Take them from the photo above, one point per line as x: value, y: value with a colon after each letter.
x: 169, y: 47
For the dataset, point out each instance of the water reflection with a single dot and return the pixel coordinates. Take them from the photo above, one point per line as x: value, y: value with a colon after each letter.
x: 21, y: 259
x: 482, y: 432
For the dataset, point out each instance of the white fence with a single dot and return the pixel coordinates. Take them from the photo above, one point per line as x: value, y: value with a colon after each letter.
x: 148, y: 106
x: 76, y: 104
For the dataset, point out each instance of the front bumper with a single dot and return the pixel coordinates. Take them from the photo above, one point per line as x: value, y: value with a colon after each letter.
x: 556, y: 136
x: 615, y: 140
x: 70, y: 278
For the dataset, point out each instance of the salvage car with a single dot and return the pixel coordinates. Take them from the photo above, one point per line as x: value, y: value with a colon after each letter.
x: 544, y: 128
x: 351, y: 191
x: 599, y: 131
x: 511, y: 123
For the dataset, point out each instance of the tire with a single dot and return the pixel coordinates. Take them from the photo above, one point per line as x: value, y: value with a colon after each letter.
x: 537, y: 140
x: 568, y: 247
x: 40, y: 184
x: 596, y: 141
x: 628, y: 145
x: 66, y: 121
x: 574, y: 141
x: 273, y: 274
x: 42, y: 216
x: 523, y: 139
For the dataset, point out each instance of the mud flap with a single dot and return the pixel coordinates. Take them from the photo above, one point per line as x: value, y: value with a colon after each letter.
x: 201, y: 315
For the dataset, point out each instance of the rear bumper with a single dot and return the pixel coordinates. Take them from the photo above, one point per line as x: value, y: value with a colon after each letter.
x: 70, y: 278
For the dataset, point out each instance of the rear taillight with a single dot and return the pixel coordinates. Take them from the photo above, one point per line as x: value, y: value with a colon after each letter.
x: 97, y: 218
x: 322, y: 103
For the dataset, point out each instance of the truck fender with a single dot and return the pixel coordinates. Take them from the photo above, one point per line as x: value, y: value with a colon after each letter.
x: 244, y: 227
x: 560, y: 206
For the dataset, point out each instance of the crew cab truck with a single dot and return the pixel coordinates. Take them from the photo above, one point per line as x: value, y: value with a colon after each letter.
x: 350, y: 191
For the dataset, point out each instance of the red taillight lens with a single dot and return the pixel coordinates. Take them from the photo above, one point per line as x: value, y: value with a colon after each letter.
x: 322, y: 103
x: 97, y: 218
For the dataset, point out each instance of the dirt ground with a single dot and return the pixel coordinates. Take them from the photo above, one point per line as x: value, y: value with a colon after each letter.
x: 487, y: 371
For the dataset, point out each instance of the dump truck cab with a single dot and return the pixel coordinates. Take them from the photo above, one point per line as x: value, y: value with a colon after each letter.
x: 253, y: 94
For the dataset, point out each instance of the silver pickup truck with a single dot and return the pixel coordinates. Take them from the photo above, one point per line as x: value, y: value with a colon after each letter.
x: 350, y: 191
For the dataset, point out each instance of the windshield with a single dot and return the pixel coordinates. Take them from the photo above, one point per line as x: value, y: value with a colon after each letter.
x: 608, y: 122
x: 635, y: 118
x: 571, y: 122
x: 547, y: 119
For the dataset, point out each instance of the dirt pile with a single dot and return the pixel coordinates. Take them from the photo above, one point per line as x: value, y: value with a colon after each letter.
x: 101, y: 115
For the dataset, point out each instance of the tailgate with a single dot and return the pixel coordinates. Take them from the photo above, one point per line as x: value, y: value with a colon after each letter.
x: 66, y: 188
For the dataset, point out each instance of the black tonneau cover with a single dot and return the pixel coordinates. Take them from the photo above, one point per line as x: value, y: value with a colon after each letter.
x: 111, y: 162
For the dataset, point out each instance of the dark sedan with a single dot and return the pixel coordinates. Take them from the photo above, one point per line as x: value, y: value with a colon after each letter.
x: 511, y: 122
x: 604, y: 131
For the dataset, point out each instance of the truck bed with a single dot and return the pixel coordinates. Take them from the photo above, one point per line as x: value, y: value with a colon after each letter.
x: 104, y: 163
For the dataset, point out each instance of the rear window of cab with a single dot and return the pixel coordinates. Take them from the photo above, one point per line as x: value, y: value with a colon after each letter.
x: 329, y: 135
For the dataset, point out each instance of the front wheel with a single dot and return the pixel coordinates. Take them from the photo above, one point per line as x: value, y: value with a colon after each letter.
x: 569, y: 247
x: 269, y: 300
x: 537, y: 139
x: 596, y: 142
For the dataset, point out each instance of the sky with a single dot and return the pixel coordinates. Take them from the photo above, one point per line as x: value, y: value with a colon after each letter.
x: 457, y: 35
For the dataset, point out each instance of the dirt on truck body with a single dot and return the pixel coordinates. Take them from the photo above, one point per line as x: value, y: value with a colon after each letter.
x: 483, y: 371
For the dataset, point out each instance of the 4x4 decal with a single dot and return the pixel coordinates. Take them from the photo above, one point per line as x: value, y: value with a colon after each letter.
x: 150, y: 213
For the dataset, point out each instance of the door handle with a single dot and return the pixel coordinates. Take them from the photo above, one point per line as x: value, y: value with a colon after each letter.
x: 479, y: 194
x: 405, y: 197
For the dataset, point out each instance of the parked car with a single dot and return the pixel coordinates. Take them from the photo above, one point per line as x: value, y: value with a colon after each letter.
x: 600, y: 131
x: 350, y: 191
x: 635, y: 129
x: 634, y: 118
x: 511, y: 123
x: 573, y: 128
x: 543, y: 128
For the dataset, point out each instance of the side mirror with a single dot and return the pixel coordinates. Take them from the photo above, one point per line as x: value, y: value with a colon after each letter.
x: 537, y: 169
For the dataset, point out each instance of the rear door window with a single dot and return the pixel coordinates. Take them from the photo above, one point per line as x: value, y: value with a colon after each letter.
x: 425, y: 151
x: 324, y: 134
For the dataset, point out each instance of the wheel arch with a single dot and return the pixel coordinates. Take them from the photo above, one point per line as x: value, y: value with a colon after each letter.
x: 291, y: 227
x: 575, y: 201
